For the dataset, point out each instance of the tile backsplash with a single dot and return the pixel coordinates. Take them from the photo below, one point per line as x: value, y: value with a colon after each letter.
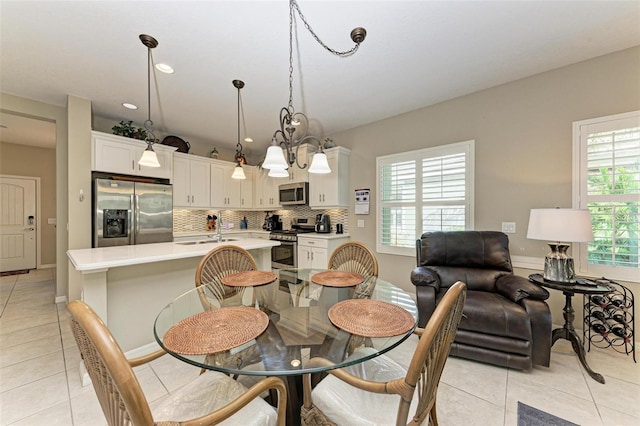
x: 187, y: 220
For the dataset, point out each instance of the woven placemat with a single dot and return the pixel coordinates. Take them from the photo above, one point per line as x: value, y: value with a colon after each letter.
x: 337, y: 278
x: 371, y: 318
x: 249, y: 278
x: 215, y: 331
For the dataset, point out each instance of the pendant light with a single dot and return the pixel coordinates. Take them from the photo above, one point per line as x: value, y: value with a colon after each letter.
x: 149, y: 157
x: 294, y: 125
x: 238, y: 173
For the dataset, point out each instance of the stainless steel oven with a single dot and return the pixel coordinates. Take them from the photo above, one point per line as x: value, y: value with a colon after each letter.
x: 286, y: 254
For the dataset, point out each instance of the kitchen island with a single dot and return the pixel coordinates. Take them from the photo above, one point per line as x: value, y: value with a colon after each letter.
x: 128, y: 285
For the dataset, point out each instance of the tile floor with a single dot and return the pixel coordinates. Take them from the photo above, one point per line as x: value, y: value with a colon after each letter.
x: 40, y: 383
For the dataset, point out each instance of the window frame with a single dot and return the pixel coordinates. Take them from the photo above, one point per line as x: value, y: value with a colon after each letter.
x: 467, y: 147
x: 580, y: 199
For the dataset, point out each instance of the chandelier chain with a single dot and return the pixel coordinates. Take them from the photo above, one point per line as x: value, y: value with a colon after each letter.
x: 308, y: 27
x: 291, y: 54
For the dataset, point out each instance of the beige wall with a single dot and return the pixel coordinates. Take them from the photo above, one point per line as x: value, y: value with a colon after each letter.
x: 79, y: 183
x: 523, y: 134
x: 57, y: 114
x: 22, y: 160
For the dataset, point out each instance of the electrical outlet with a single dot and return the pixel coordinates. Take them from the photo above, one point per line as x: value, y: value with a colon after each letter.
x: 509, y: 227
x: 360, y: 223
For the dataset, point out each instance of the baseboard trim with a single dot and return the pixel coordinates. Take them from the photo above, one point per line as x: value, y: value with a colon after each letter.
x: 47, y: 266
x: 528, y: 262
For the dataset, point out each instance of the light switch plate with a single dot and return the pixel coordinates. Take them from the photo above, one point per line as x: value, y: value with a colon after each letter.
x: 360, y: 223
x: 509, y: 227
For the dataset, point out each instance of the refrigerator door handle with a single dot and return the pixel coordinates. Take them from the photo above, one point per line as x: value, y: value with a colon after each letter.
x: 137, y: 217
x: 130, y: 219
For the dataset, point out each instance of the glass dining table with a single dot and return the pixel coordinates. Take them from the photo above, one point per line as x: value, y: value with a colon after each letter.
x: 280, y: 325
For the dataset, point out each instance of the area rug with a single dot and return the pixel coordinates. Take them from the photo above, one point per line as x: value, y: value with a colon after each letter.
x: 5, y: 274
x: 529, y: 416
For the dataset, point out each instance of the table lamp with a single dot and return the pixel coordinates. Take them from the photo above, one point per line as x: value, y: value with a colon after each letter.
x: 567, y: 225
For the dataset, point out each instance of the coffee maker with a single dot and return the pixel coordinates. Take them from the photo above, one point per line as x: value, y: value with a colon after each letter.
x: 272, y: 223
x: 323, y: 223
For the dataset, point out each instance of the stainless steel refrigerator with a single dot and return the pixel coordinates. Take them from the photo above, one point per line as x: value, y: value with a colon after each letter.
x: 126, y: 213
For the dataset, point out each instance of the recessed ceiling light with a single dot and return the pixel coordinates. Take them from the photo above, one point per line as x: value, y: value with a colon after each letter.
x: 248, y: 140
x: 129, y: 106
x: 164, y: 68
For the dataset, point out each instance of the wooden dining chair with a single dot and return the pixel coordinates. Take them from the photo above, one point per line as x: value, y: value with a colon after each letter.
x: 354, y: 256
x: 362, y: 393
x: 214, y: 266
x: 210, y: 399
x: 217, y: 264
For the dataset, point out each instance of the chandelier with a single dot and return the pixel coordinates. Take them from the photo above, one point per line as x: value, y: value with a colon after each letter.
x: 149, y: 157
x: 294, y: 125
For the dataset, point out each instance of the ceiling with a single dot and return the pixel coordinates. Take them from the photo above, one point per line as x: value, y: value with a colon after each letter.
x: 416, y: 54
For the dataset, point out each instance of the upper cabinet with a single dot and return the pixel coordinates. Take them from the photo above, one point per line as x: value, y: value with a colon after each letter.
x: 265, y: 190
x: 297, y: 174
x: 229, y: 193
x: 191, y: 181
x: 331, y: 190
x: 117, y: 154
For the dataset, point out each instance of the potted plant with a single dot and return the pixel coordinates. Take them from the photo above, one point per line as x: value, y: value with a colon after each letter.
x: 126, y: 129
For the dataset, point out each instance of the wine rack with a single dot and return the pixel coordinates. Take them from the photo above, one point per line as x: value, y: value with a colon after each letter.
x: 609, y: 319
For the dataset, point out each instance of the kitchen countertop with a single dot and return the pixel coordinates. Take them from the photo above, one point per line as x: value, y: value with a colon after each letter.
x: 329, y: 236
x: 204, y: 233
x: 94, y: 259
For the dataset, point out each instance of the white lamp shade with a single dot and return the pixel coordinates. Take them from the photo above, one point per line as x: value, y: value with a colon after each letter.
x: 149, y: 158
x: 238, y: 173
x: 319, y: 164
x: 274, y: 159
x: 278, y: 173
x: 566, y: 225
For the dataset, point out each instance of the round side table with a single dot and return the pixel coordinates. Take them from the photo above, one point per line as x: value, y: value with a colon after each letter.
x: 567, y: 331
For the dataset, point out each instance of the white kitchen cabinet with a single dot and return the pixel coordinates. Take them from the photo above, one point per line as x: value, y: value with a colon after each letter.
x: 265, y: 190
x: 314, y: 252
x: 247, y: 188
x: 297, y: 174
x: 191, y: 181
x: 117, y: 154
x: 229, y: 193
x: 331, y: 190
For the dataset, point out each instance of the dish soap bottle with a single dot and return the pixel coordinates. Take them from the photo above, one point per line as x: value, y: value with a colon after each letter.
x: 243, y: 223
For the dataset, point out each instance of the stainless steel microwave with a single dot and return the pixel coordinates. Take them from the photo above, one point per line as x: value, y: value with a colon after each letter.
x: 294, y: 193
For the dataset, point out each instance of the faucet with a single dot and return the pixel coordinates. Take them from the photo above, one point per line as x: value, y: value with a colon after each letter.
x: 219, y: 234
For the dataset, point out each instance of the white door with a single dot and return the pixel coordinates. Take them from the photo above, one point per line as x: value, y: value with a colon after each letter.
x: 17, y: 224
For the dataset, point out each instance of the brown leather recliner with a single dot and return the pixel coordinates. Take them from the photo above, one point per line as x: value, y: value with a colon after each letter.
x: 506, y: 320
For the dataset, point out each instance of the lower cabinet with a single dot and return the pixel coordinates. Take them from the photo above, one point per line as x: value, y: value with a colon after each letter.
x: 314, y: 252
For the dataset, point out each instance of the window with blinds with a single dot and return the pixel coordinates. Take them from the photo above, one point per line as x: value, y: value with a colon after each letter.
x: 608, y: 151
x: 422, y: 191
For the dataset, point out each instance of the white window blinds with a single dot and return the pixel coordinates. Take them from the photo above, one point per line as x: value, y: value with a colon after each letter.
x: 608, y: 163
x: 421, y: 191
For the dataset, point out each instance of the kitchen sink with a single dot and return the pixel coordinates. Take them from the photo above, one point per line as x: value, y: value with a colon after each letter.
x: 211, y: 241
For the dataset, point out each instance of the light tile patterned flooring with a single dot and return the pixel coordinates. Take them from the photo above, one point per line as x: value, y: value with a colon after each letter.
x: 40, y: 382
